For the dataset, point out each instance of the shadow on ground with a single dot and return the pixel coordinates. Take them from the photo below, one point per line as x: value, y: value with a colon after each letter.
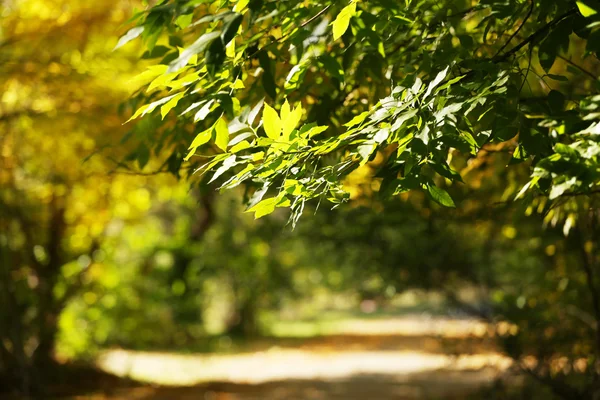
x: 440, y: 384
x: 439, y: 362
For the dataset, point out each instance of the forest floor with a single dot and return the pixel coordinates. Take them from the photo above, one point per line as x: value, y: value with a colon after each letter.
x: 399, y: 358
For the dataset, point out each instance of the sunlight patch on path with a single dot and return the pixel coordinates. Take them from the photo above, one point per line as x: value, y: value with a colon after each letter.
x: 277, y: 365
x: 409, y: 326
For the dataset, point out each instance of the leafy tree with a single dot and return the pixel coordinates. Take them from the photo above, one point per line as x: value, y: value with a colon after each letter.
x: 296, y: 100
x: 413, y: 83
x: 60, y: 85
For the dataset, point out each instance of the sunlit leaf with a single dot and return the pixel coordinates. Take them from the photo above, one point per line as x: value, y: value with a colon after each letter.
x: 231, y: 27
x: 440, y: 196
x: 198, y: 46
x: 241, y: 5
x: 264, y: 207
x: 357, y: 120
x: 271, y: 122
x: 585, y: 9
x: 291, y: 120
x: 200, y: 139
x: 151, y: 107
x: 164, y: 110
x: 342, y: 21
x: 226, y: 166
x: 129, y: 36
x: 221, y: 134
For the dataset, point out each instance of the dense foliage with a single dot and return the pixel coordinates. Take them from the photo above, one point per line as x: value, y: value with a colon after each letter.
x: 396, y: 107
x: 370, y: 100
x: 414, y: 88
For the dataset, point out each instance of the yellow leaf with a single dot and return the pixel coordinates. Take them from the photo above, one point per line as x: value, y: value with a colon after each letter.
x: 230, y: 49
x: 148, y: 108
x: 291, y: 122
x: 238, y: 84
x: 285, y: 110
x: 221, y: 134
x: 357, y: 120
x: 585, y: 10
x: 241, y: 5
x: 164, y: 110
x: 143, y: 110
x: 271, y: 122
x: 186, y: 80
x: 193, y: 59
x: 161, y: 81
x: 284, y: 202
x: 200, y: 139
x: 276, y: 32
x: 342, y: 21
x: 151, y: 73
x: 264, y: 207
x: 244, y: 144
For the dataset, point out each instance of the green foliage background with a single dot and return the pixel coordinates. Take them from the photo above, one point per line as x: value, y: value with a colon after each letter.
x: 457, y: 142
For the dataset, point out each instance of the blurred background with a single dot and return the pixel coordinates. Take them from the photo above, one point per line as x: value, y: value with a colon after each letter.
x: 120, y: 281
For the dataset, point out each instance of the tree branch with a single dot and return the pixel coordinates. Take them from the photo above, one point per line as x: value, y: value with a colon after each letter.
x: 517, y: 31
x: 585, y: 71
x: 537, y: 34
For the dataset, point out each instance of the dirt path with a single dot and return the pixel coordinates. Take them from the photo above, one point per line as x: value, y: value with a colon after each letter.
x: 418, y: 364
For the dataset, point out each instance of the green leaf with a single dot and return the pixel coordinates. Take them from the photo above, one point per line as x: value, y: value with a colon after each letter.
x: 271, y: 122
x: 296, y: 75
x: 290, y: 121
x: 129, y: 36
x: 365, y: 150
x: 254, y: 112
x: 221, y: 134
x: 230, y: 27
x: 519, y: 155
x: 440, y: 196
x: 313, y: 130
x: 143, y: 156
x: 285, y: 111
x: 164, y: 110
x: 227, y: 164
x: 148, y: 108
x: 566, y: 151
x: 558, y: 77
x: 198, y: 46
x: 244, y: 144
x: 342, y: 21
x: 332, y: 66
x: 556, y: 101
x: 436, y: 81
x: 200, y: 139
x: 215, y: 56
x: 268, y: 78
x: 357, y: 120
x: 264, y: 207
x: 561, y: 188
x: 585, y: 10
x: 241, y: 5
x: 204, y: 111
x: 183, y: 21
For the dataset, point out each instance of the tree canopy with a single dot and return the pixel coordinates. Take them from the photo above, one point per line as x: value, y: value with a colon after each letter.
x: 290, y: 98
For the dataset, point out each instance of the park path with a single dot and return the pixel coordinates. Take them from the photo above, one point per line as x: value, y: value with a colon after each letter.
x: 404, y: 358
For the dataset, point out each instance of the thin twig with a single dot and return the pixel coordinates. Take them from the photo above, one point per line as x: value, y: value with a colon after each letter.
x: 302, y: 25
x: 528, y: 69
x: 585, y: 71
x: 517, y: 31
x: 535, y: 35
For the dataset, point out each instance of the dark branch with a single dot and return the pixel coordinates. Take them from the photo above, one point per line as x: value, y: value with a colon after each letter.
x: 534, y: 36
x: 518, y: 29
